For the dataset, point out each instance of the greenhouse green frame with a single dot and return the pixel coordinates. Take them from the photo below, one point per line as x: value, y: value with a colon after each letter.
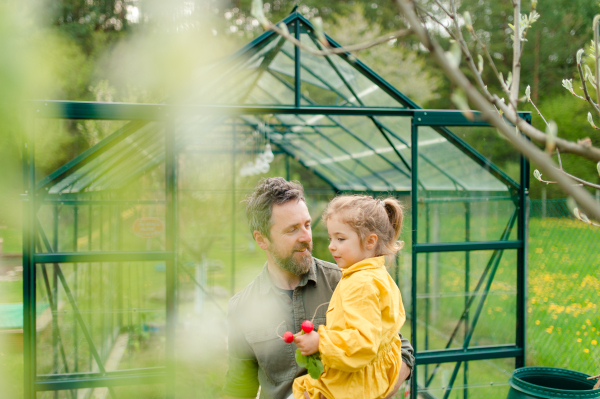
x: 39, y: 191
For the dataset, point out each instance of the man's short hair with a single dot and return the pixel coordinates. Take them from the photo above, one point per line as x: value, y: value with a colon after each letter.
x: 270, y: 191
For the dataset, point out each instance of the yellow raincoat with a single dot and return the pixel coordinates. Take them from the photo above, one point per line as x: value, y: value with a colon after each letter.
x: 360, y: 346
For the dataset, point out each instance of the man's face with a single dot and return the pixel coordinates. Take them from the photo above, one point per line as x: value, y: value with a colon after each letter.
x: 291, y: 237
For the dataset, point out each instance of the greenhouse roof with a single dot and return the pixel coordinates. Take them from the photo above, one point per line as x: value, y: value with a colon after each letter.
x: 360, y: 141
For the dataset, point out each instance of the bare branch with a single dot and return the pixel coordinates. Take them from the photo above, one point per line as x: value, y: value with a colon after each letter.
x: 339, y: 50
x: 443, y: 8
x: 468, y: 56
x: 596, y: 40
x: 585, y: 90
x: 581, y: 196
x: 565, y: 146
x: 424, y: 11
x: 516, y: 67
x: 538, y: 111
x: 492, y: 64
x: 559, y: 160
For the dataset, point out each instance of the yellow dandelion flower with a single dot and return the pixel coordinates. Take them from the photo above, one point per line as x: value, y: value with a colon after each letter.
x: 594, y: 342
x: 578, y: 339
x: 586, y: 350
x: 537, y: 322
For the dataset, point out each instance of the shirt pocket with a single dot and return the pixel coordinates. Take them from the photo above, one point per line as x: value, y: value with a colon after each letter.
x: 275, y: 357
x: 319, y: 321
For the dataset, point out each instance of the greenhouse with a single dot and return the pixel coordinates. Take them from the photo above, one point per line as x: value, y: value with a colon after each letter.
x: 116, y: 240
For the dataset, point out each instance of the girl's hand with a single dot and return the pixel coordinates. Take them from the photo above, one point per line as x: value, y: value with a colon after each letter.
x: 308, y: 343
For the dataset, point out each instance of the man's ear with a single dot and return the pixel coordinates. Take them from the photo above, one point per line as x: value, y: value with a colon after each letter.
x: 371, y: 241
x: 262, y: 241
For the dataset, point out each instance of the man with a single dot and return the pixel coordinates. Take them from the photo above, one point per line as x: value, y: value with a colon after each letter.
x: 288, y: 291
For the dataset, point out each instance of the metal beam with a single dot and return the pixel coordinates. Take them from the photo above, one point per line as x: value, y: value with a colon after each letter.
x: 157, y: 112
x: 463, y: 355
x: 468, y: 246
x: 98, y: 382
x: 71, y: 257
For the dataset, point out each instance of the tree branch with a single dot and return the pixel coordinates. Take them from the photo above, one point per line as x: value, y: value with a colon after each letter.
x: 492, y: 64
x: 595, y: 27
x: 565, y: 146
x: 516, y: 67
x: 339, y: 50
x: 544, y: 162
x: 585, y: 90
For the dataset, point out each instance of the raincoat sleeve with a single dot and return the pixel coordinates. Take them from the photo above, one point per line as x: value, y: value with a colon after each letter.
x: 354, y: 347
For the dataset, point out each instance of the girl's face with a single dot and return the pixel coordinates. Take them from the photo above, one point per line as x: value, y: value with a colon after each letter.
x: 345, y: 245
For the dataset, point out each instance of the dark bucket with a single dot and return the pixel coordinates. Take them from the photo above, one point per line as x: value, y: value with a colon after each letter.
x: 550, y: 383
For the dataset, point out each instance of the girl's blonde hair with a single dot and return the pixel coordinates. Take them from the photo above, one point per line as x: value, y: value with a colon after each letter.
x: 367, y: 215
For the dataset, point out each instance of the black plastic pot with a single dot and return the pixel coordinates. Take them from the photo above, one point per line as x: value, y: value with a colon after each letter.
x: 550, y: 383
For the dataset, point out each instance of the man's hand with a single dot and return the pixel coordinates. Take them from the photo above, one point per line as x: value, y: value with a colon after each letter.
x: 308, y: 343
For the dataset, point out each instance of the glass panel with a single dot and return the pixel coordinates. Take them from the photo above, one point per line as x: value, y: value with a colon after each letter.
x: 449, y: 282
x: 57, y: 141
x: 453, y: 217
x: 459, y: 199
x: 443, y: 166
x: 487, y: 142
x: 480, y: 379
x: 135, y: 163
x: 82, y: 225
x: 122, y: 306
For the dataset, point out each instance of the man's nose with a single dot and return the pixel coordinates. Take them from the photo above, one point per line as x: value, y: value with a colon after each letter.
x: 306, y: 235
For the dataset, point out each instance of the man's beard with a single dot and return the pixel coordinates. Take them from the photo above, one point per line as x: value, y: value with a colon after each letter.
x: 297, y: 267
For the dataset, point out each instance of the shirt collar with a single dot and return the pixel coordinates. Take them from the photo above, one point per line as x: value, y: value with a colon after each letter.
x: 266, y: 283
x: 369, y: 263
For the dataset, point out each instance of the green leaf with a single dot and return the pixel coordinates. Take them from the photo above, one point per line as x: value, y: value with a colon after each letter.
x: 551, y: 133
x: 284, y: 27
x: 315, y: 366
x: 258, y: 13
x: 301, y: 359
x: 468, y: 20
x: 591, y: 120
x: 454, y: 54
x: 460, y: 100
x: 318, y: 26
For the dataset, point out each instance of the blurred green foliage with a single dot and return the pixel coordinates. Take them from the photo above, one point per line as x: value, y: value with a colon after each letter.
x: 146, y: 51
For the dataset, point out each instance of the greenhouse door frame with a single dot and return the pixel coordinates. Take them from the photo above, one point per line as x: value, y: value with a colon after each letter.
x: 436, y: 357
x: 167, y: 114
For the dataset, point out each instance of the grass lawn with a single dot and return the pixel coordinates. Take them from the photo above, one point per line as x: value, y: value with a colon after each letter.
x: 562, y: 323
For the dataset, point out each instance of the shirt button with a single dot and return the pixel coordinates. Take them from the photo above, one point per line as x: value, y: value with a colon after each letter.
x: 289, y: 301
x: 266, y: 333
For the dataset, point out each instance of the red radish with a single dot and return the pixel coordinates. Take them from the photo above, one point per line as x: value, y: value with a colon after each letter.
x: 288, y: 337
x: 307, y: 326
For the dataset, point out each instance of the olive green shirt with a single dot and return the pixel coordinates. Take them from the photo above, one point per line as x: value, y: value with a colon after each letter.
x: 259, y: 314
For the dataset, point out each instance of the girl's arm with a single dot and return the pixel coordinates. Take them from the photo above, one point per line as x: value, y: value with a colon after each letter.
x: 356, y: 346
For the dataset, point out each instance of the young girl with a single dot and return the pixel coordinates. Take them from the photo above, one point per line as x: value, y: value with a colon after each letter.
x: 359, y: 345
